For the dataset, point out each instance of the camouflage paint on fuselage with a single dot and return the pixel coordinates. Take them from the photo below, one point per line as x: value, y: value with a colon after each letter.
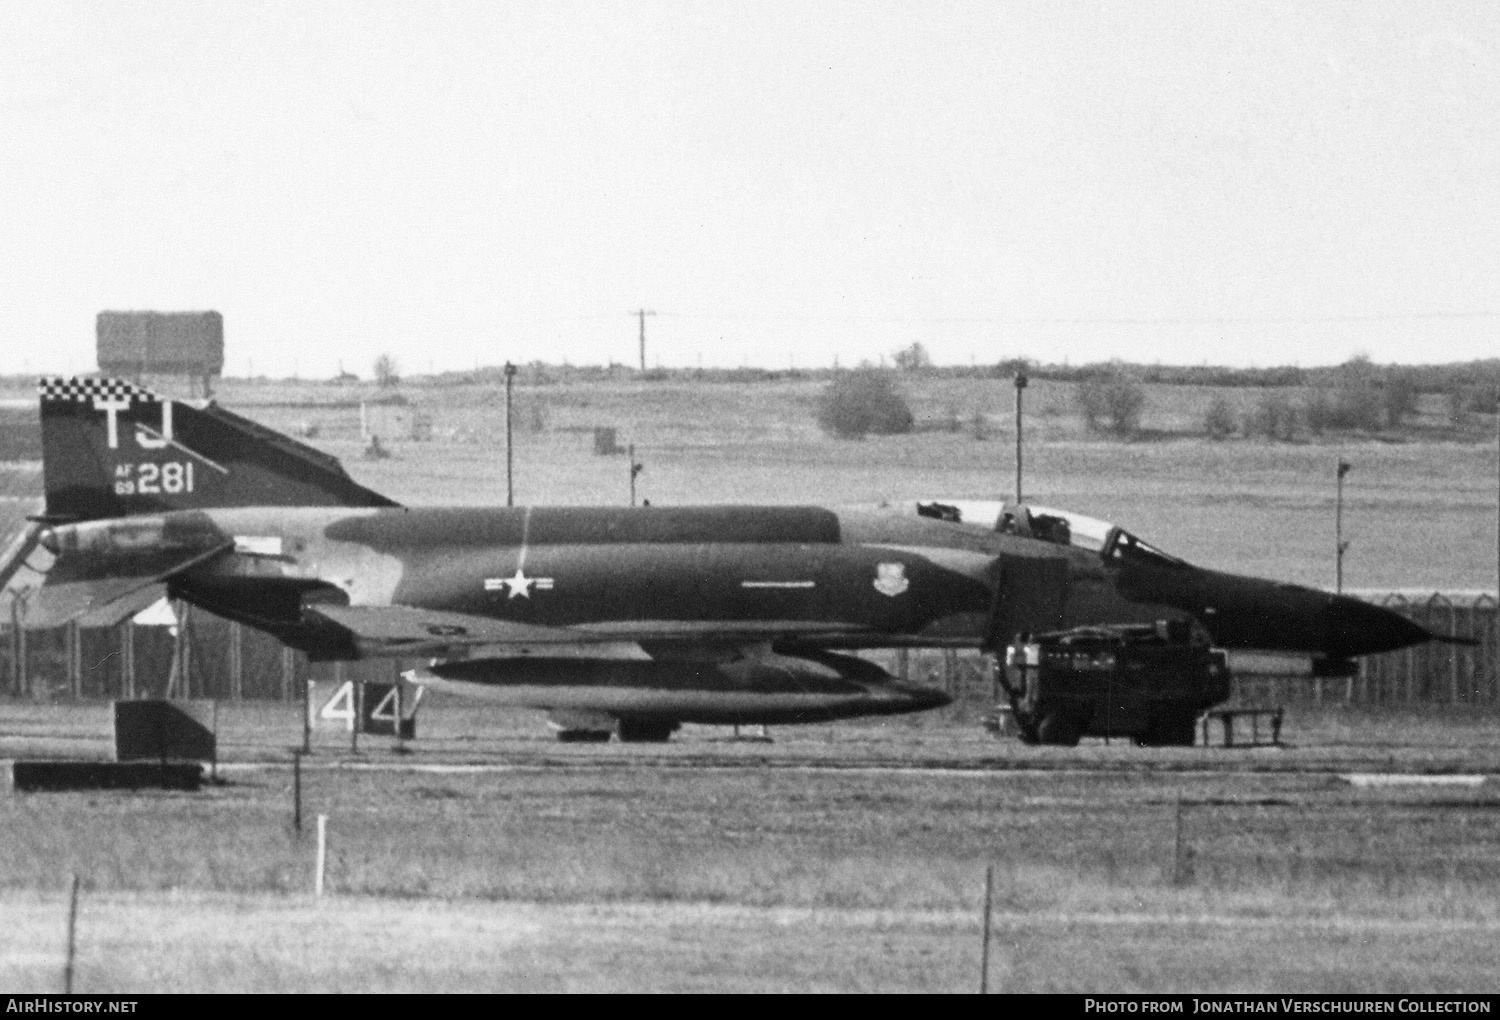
x: 565, y: 566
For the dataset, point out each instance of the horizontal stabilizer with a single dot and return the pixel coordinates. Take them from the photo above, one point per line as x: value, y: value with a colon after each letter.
x: 73, y: 592
x: 112, y: 614
x: 89, y: 602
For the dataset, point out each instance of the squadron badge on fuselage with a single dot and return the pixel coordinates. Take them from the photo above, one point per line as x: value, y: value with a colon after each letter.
x: 890, y: 579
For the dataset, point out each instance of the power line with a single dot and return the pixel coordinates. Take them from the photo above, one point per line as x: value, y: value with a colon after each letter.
x: 1103, y: 321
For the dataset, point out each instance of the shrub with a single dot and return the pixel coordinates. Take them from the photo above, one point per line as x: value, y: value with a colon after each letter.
x: 1219, y: 421
x: 862, y: 401
x: 1317, y: 412
x: 1275, y: 417
x: 1111, y: 403
x: 912, y: 359
x: 387, y: 374
x: 1400, y: 397
x: 1464, y: 400
x: 1359, y: 409
x: 980, y: 425
x: 1089, y: 395
x: 1355, y: 409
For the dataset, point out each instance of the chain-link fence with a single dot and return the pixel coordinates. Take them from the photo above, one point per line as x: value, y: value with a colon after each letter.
x: 219, y: 659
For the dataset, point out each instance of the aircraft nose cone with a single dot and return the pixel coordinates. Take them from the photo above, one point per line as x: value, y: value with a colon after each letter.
x: 1359, y: 628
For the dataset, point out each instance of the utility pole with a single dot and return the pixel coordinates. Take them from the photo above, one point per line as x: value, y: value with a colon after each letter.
x: 1020, y: 385
x: 641, y: 313
x: 510, y: 460
x: 1338, y: 528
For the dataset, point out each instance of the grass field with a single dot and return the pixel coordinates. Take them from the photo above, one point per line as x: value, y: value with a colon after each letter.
x: 845, y: 857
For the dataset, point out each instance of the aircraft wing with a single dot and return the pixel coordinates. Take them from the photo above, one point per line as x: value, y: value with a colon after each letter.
x: 405, y: 630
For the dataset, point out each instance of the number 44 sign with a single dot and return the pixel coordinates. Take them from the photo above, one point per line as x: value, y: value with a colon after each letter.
x: 375, y: 707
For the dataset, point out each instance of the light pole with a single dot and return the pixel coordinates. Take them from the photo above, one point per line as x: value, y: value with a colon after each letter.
x: 1020, y: 385
x: 1338, y: 527
x: 510, y: 461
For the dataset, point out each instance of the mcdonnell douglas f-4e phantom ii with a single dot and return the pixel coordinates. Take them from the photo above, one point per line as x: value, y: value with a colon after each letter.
x: 631, y: 619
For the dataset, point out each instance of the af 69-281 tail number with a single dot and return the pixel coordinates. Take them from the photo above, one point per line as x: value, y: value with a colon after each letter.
x: 153, y: 478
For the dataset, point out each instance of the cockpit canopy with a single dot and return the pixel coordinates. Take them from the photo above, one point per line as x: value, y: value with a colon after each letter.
x: 1061, y: 527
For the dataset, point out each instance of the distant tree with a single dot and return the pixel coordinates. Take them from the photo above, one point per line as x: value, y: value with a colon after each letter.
x: 1399, y: 397
x: 387, y: 373
x: 1011, y: 367
x: 1219, y: 420
x: 1477, y: 399
x: 980, y: 425
x: 1274, y: 417
x: 1359, y: 372
x: 535, y: 411
x: 1112, y: 403
x: 1458, y: 406
x: 1358, y: 409
x: 912, y: 359
x: 1125, y: 400
x: 1318, y: 412
x: 1089, y: 395
x: 862, y: 401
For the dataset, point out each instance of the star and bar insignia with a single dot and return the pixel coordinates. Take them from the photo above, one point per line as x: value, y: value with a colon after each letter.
x: 518, y: 585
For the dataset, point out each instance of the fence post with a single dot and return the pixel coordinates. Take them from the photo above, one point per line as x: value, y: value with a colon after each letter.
x: 17, y: 646
x: 1452, y: 655
x: 1491, y: 644
x: 74, y: 659
x: 127, y: 661
x: 185, y: 645
x: 236, y: 662
x: 288, y: 669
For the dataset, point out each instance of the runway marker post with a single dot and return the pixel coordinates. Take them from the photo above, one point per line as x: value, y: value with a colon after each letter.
x: 297, y: 791
x: 322, y: 855
x: 984, y: 951
x: 307, y: 717
x: 1182, y: 864
x: 72, y: 937
x: 356, y: 707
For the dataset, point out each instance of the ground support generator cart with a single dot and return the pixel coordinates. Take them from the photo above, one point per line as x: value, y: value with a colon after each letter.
x: 1149, y: 682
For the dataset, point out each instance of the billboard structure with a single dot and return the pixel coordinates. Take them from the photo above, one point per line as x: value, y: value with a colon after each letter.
x: 149, y: 346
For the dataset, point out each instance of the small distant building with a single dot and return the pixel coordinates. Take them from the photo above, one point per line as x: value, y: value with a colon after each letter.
x: 148, y: 346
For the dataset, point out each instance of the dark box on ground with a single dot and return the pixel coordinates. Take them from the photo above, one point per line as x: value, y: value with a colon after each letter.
x: 40, y: 776
x: 164, y: 731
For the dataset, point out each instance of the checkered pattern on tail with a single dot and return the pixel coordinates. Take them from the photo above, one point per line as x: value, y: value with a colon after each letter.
x: 79, y: 388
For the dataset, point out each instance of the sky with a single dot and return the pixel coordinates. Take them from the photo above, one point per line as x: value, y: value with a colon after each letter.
x: 784, y: 184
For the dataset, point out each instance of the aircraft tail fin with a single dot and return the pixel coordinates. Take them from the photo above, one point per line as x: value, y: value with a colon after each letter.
x: 111, y: 448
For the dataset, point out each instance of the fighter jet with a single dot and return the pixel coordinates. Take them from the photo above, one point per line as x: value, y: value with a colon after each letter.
x: 631, y: 620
